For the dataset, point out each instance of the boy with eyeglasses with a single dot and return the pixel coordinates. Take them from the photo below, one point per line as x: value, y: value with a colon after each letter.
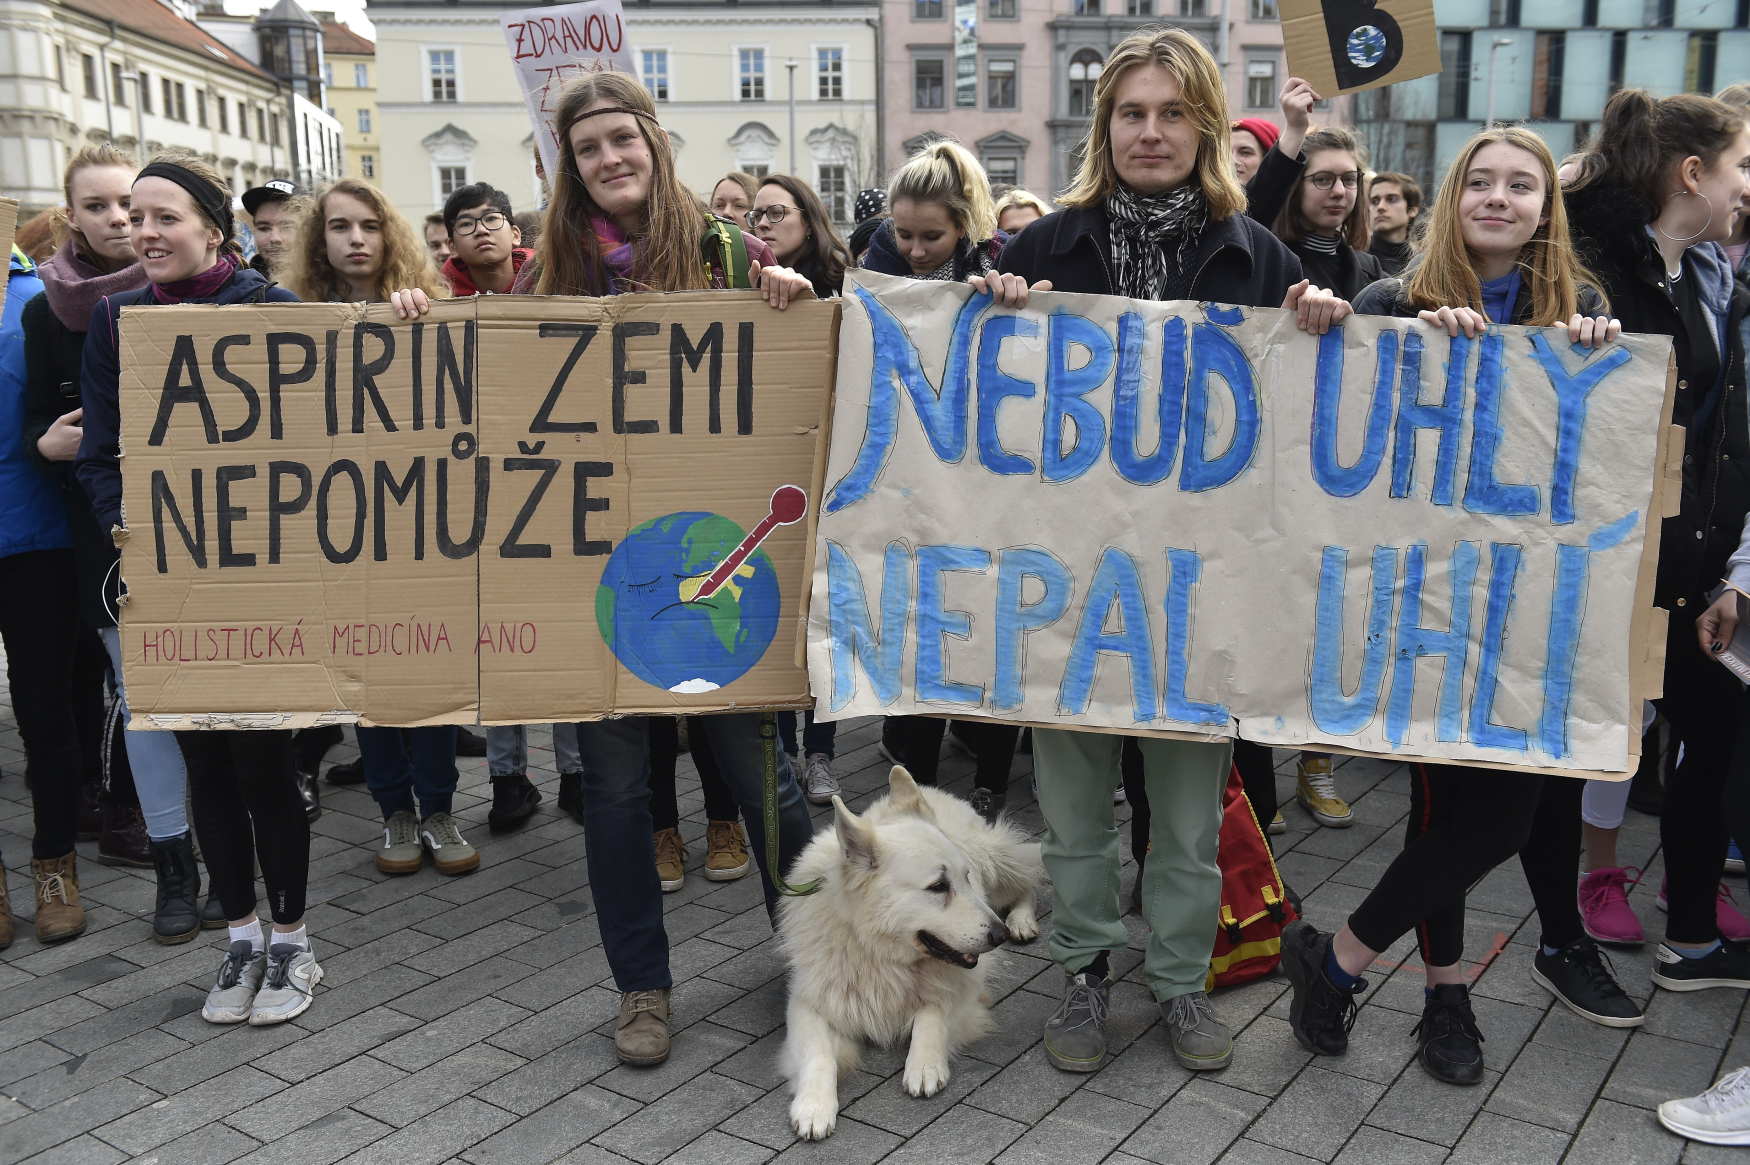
x: 487, y: 243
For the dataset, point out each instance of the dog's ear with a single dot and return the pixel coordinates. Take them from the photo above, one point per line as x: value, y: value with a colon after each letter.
x: 903, y: 795
x: 856, y: 836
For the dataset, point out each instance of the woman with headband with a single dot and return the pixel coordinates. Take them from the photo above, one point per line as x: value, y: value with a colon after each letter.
x: 241, y: 784
x: 621, y: 220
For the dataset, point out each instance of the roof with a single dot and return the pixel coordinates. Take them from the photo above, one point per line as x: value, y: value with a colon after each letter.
x: 338, y: 38
x: 152, y: 19
x: 286, y: 12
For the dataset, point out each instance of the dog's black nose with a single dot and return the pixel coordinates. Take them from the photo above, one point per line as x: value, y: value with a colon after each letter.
x: 998, y: 935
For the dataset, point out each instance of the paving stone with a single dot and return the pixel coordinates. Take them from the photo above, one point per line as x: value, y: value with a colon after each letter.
x: 324, y: 1049
x: 1701, y: 1017
x: 443, y: 996
x: 1029, y: 1088
x: 349, y: 1000
x: 1371, y: 1146
x: 205, y: 1103
x: 541, y: 1081
x: 1085, y: 1127
x: 29, y: 1059
x: 1196, y: 1126
x: 212, y: 1145
x: 1267, y: 1057
x: 536, y: 990
x: 1317, y: 1113
x: 75, y: 1074
x: 1617, y: 1134
x: 1425, y: 1108
x: 851, y: 1143
x: 715, y: 1148
x: 38, y: 1131
x: 1654, y: 1069
x: 322, y: 1141
x: 678, y: 1118
x: 1246, y: 1151
x: 962, y: 1136
x: 701, y: 1047
x: 1549, y: 1087
x: 393, y: 949
x: 82, y: 1150
x: 1499, y: 1140
x: 544, y: 1031
x: 460, y: 1074
x: 439, y: 1136
x: 296, y: 1106
x: 110, y: 1026
x: 448, y: 1032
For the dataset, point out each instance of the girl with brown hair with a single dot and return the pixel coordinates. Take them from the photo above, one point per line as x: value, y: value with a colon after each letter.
x: 733, y: 195
x: 1325, y: 219
x: 356, y: 246
x: 789, y: 218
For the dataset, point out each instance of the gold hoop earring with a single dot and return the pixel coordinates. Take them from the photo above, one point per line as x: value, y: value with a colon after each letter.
x: 1704, y: 226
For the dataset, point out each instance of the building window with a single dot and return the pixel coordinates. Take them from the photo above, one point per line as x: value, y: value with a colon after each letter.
x: 1618, y: 57
x: 1000, y: 85
x: 224, y: 114
x: 1503, y: 13
x: 451, y: 179
x: 829, y: 72
x: 60, y: 67
x: 1546, y: 75
x: 145, y: 92
x: 364, y: 121
x: 655, y: 72
x: 1667, y: 14
x: 927, y: 90
x: 1455, y: 75
x: 1263, y: 10
x: 328, y: 72
x: 367, y: 165
x: 1087, y: 7
x: 118, y: 92
x: 181, y: 102
x: 361, y: 77
x: 1142, y: 7
x: 758, y: 169
x: 260, y: 123
x: 1084, y: 71
x: 1002, y: 9
x: 1260, y: 84
x: 927, y: 10
x: 753, y: 74
x: 1742, y: 20
x: 1704, y: 51
x: 1193, y: 7
x: 273, y: 128
x: 1004, y: 169
x: 441, y: 66
x: 200, y: 107
x: 169, y: 97
x: 834, y: 186
x: 88, y: 71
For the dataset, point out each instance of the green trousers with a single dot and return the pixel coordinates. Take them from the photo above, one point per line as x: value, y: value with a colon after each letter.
x: 1181, y: 884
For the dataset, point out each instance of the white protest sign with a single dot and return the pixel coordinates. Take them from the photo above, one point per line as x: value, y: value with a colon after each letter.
x: 550, y: 46
x: 1382, y: 540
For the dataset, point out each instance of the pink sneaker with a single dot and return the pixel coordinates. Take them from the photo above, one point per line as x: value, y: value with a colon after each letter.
x: 1604, y: 908
x: 1732, y: 924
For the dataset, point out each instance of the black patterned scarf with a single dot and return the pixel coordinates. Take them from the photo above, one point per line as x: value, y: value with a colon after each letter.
x: 1142, y: 225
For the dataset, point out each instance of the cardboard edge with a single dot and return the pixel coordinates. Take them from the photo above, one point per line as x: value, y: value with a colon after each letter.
x: 817, y: 486
x: 1529, y: 770
x: 1649, y: 625
x: 1148, y: 733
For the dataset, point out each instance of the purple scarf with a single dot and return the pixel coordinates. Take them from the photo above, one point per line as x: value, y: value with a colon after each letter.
x: 74, y: 285
x: 616, y: 251
x: 201, y: 286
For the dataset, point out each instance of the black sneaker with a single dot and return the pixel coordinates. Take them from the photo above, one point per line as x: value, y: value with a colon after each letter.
x: 1322, y: 1012
x: 514, y: 797
x: 350, y: 773
x: 469, y: 743
x: 1578, y: 976
x: 1727, y: 967
x: 571, y: 795
x: 1447, y: 1040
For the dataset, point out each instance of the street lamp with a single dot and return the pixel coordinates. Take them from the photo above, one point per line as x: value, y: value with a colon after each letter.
x: 1495, y: 45
x: 791, y: 65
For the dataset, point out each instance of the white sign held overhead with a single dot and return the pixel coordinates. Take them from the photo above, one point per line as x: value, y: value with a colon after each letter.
x: 552, y: 45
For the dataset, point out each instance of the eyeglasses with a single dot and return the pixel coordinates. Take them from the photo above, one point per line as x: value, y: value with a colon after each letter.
x: 1324, y: 179
x: 774, y: 214
x: 489, y: 221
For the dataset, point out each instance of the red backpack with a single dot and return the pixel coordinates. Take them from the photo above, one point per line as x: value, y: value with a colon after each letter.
x: 1248, y: 944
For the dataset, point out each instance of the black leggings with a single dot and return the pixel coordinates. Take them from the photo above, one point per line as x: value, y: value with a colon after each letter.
x: 55, y: 667
x: 920, y: 746
x: 246, y: 805
x: 665, y: 748
x: 1551, y: 859
x: 1257, y: 773
x: 1463, y: 823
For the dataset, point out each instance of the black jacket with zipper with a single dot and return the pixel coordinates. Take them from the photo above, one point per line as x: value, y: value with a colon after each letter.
x: 1609, y: 229
x: 1237, y: 260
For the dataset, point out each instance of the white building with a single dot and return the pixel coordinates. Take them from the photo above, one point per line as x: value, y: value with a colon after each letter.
x: 450, y: 111
x: 128, y: 71
x: 286, y: 43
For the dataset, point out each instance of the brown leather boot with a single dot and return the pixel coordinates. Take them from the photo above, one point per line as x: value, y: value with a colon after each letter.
x: 124, y: 841
x: 5, y: 913
x: 58, y: 914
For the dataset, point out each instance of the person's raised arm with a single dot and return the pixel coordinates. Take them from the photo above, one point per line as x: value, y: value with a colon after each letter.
x: 1296, y: 102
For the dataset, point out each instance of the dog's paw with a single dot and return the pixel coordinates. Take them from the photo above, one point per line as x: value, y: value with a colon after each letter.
x: 813, y: 1120
x: 1023, y: 924
x: 926, y: 1079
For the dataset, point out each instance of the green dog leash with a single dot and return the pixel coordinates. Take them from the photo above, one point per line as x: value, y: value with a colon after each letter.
x: 769, y: 745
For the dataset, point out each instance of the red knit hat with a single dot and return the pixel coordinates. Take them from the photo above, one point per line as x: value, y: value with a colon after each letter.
x: 1264, y: 131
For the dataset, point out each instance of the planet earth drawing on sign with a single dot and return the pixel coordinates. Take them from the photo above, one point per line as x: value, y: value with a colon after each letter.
x: 688, y: 602
x: 1366, y: 46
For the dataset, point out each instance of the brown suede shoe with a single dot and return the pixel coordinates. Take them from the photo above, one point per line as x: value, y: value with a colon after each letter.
x: 5, y: 913
x: 641, y: 1038
x: 725, y: 851
x: 58, y: 914
x: 671, y: 860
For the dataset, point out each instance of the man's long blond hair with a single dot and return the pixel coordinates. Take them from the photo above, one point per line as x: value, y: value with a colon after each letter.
x: 1202, y: 97
x: 406, y: 260
x: 667, y: 244
x: 1446, y: 274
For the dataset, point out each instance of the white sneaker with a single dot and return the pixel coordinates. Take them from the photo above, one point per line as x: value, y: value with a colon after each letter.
x: 292, y: 974
x: 1118, y: 796
x: 233, y: 993
x: 819, y: 784
x: 1719, y: 1116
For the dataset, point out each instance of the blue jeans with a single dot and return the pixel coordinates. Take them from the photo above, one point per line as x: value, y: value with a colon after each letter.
x: 617, y: 833
x: 395, y: 778
x: 507, y: 749
x: 815, y: 737
x: 160, y: 777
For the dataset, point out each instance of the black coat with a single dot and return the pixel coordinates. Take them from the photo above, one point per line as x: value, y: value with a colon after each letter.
x: 1348, y: 272
x: 1237, y: 260
x: 1609, y: 228
x: 1267, y: 193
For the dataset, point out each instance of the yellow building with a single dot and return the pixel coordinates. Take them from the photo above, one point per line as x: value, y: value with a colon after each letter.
x: 351, y: 64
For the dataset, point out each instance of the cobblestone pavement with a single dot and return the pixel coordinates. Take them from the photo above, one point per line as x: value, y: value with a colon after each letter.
x: 472, y: 1019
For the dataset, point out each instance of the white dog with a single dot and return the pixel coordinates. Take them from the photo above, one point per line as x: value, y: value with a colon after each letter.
x: 911, y: 894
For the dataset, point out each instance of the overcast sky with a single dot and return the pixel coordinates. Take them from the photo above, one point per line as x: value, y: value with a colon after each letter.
x: 350, y: 12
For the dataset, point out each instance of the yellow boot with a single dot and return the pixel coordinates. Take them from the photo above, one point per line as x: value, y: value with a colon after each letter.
x: 58, y: 914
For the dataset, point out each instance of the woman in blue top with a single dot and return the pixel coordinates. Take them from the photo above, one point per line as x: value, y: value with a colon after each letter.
x: 242, y: 786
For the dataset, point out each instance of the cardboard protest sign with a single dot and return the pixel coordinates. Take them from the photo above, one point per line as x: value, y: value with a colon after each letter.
x: 1344, y: 46
x: 1171, y: 517
x: 518, y: 508
x: 552, y: 45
